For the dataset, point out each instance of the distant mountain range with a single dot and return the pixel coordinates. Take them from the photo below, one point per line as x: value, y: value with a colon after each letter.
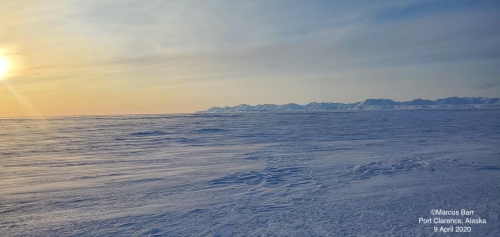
x: 369, y: 104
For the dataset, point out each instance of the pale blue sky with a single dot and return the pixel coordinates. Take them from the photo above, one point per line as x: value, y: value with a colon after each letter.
x: 196, y: 54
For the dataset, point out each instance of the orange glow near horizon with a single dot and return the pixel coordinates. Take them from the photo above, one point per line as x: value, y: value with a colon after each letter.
x: 23, y: 101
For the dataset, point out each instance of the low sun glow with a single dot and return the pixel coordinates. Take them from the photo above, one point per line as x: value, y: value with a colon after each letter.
x: 4, y: 66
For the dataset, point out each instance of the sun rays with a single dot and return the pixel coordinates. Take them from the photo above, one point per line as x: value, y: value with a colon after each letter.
x: 4, y: 66
x: 21, y: 99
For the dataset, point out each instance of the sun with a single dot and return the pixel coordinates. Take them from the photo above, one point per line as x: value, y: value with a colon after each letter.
x: 4, y: 66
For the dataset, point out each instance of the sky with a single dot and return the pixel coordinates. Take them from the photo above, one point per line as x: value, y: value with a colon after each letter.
x: 93, y: 57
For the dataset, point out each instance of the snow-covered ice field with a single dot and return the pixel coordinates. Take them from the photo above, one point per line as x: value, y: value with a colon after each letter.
x: 364, y: 173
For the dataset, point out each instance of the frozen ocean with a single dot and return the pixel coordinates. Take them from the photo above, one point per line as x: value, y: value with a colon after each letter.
x: 352, y: 173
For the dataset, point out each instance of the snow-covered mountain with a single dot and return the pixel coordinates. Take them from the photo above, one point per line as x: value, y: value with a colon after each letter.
x: 451, y: 102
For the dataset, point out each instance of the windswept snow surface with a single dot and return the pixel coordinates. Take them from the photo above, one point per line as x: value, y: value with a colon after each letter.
x: 363, y: 173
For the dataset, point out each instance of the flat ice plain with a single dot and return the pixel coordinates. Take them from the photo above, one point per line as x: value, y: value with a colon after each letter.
x: 363, y: 173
